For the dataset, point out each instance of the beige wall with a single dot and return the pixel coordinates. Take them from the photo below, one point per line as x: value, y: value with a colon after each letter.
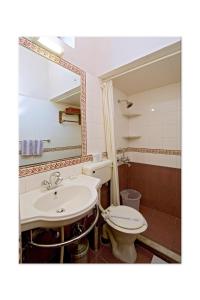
x: 82, y: 56
x: 98, y: 55
x: 108, y: 53
x: 121, y: 121
x: 159, y: 125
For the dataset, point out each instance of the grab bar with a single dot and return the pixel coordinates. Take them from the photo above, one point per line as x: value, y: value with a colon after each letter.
x: 69, y: 241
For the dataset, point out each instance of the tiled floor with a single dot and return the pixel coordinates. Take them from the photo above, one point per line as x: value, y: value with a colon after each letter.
x: 104, y: 255
x: 163, y: 228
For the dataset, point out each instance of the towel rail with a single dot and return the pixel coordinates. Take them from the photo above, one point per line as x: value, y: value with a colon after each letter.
x: 48, y: 141
x: 72, y: 240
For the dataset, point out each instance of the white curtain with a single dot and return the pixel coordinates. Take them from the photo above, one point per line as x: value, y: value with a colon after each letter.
x: 108, y: 109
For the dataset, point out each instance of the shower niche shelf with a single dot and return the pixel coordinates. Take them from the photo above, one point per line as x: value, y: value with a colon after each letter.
x: 132, y: 137
x: 131, y: 115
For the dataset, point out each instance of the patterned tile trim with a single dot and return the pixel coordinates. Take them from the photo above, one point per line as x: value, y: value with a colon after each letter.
x: 67, y: 65
x: 40, y: 168
x: 153, y: 151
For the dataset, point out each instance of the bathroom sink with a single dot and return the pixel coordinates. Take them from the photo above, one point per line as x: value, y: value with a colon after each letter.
x: 63, y: 205
x: 70, y: 198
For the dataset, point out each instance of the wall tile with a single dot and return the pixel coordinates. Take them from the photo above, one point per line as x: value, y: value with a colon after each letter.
x: 170, y: 130
x: 95, y: 130
x: 34, y: 181
x: 159, y: 123
x: 94, y: 116
x: 154, y: 141
x: 93, y: 92
x: 22, y: 185
x: 160, y: 187
x: 171, y: 161
x: 96, y: 145
x: 170, y: 143
x: 71, y: 170
x: 120, y: 121
x: 140, y: 142
x: 138, y: 157
x: 178, y: 162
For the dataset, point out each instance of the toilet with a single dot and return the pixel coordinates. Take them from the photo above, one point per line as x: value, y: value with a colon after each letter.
x: 123, y: 223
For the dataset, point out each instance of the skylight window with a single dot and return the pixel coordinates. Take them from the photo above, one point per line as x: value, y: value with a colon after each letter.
x: 68, y: 40
x: 51, y: 44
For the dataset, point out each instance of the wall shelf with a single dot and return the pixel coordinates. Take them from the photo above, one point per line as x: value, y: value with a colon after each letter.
x: 132, y: 137
x: 69, y: 111
x: 71, y: 97
x: 131, y: 115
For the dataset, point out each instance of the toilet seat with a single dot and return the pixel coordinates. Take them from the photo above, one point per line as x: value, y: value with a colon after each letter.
x: 124, y: 218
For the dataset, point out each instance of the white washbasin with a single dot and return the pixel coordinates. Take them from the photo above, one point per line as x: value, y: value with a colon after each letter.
x: 62, y: 205
x: 74, y: 197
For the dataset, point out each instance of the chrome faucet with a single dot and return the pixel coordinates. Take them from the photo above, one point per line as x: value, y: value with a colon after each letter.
x: 124, y: 159
x: 54, y: 180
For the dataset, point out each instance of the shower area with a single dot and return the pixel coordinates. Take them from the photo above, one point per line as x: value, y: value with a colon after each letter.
x: 147, y: 126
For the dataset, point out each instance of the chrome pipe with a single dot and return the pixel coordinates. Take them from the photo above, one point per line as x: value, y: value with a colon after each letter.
x: 69, y: 241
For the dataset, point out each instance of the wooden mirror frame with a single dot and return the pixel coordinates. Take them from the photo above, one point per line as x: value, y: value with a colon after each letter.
x: 60, y: 163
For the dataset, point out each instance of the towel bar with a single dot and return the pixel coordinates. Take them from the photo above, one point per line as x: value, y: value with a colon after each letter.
x: 48, y: 141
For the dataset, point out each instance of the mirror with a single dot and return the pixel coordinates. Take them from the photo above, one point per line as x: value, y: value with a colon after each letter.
x: 51, y: 107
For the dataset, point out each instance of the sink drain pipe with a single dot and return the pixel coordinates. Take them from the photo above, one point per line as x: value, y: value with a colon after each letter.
x: 65, y: 243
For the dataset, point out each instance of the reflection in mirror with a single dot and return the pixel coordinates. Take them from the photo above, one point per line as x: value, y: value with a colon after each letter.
x: 49, y: 110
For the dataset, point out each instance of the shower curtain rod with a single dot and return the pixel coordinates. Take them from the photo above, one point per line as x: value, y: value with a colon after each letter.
x: 143, y: 65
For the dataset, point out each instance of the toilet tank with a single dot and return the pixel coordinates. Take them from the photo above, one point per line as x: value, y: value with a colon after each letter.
x: 101, y: 170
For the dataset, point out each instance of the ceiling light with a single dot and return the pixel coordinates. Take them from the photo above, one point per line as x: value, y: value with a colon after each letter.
x: 51, y: 44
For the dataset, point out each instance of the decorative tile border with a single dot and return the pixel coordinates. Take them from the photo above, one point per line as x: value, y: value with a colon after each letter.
x: 67, y: 65
x: 153, y: 151
x: 49, y: 55
x: 40, y: 168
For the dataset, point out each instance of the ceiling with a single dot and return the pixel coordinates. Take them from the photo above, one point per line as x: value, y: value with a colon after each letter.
x: 163, y: 72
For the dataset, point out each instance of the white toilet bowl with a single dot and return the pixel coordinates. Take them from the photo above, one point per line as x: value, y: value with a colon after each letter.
x: 123, y: 224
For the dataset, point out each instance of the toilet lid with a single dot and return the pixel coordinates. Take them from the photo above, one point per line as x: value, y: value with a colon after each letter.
x: 125, y: 216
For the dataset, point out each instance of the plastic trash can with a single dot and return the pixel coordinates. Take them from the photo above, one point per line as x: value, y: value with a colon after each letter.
x: 131, y: 198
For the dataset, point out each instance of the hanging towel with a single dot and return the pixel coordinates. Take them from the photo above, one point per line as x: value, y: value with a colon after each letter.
x: 37, y: 147
x: 26, y: 147
x: 31, y: 147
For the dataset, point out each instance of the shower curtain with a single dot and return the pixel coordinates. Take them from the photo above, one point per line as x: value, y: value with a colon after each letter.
x: 108, y: 110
